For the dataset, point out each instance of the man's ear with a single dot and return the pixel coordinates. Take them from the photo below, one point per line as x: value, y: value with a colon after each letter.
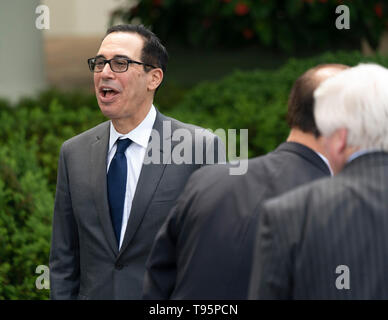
x: 341, y: 140
x: 155, y: 77
x: 339, y: 149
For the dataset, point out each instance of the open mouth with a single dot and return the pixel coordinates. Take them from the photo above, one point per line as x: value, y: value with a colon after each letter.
x: 107, y: 92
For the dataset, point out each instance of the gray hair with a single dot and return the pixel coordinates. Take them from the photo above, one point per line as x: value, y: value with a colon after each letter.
x: 355, y: 99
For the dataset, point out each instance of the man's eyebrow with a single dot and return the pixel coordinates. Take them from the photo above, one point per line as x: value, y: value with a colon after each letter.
x: 115, y: 56
x: 122, y: 56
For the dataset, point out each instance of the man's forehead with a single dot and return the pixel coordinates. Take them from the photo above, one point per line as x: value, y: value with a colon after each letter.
x: 122, y: 43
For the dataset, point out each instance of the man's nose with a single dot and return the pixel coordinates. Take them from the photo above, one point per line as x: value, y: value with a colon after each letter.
x: 107, y: 71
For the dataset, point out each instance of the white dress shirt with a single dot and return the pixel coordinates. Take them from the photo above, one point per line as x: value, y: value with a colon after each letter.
x: 325, y: 161
x: 359, y: 153
x: 135, y: 156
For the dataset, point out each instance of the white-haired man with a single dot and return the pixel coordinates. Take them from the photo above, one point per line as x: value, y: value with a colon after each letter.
x: 329, y: 239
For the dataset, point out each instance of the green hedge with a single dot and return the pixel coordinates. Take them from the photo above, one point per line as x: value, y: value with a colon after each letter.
x: 32, y: 133
x: 287, y: 25
x: 26, y: 206
x: 48, y: 121
x: 255, y: 100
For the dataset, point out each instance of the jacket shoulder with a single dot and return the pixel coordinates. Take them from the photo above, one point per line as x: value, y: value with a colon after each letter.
x: 88, y: 135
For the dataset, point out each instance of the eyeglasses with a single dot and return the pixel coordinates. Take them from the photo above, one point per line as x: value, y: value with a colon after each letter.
x: 116, y: 64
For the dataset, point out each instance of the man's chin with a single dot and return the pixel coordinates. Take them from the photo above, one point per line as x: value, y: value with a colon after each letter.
x: 109, y: 110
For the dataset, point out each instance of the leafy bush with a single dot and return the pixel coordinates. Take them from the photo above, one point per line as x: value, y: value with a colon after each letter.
x: 26, y: 206
x: 48, y: 121
x: 278, y: 23
x: 255, y: 100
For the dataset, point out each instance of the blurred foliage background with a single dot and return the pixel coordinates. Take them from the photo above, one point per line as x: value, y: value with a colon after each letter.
x: 286, y: 25
x: 232, y: 66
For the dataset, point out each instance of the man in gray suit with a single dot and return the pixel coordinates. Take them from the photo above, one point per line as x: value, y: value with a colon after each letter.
x: 204, y: 249
x: 328, y: 239
x: 118, y: 180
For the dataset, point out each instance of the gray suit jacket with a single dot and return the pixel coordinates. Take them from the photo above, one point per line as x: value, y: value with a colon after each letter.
x: 204, y: 249
x: 84, y: 260
x: 328, y: 239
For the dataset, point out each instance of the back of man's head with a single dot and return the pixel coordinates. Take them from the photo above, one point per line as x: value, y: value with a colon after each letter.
x: 356, y: 100
x: 301, y: 100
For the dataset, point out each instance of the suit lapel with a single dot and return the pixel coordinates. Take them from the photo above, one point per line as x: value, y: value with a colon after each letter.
x: 98, y: 160
x: 148, y: 182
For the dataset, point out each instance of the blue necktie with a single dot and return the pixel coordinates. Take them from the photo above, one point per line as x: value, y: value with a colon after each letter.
x: 117, y: 183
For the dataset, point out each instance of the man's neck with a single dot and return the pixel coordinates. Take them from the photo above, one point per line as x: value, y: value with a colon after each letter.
x: 307, y: 139
x: 125, y: 125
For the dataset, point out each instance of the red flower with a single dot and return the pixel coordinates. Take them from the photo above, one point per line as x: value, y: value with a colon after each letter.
x: 248, y: 33
x: 379, y: 10
x: 241, y: 9
x: 206, y: 23
x: 157, y: 3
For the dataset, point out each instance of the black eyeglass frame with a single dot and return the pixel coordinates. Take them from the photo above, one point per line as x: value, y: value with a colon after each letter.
x: 129, y: 61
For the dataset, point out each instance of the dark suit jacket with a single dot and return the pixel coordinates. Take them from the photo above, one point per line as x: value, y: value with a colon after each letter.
x: 305, y: 235
x: 84, y: 260
x: 203, y: 250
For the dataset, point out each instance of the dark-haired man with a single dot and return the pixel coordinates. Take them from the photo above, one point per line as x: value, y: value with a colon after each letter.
x: 118, y: 181
x: 328, y: 239
x: 204, y: 249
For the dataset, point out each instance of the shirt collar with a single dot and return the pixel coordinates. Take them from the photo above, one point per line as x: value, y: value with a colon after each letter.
x: 325, y: 161
x: 139, y: 135
x: 359, y: 153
